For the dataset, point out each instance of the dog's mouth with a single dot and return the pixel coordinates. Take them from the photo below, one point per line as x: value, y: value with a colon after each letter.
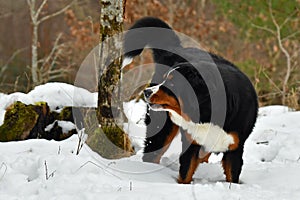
x: 156, y: 107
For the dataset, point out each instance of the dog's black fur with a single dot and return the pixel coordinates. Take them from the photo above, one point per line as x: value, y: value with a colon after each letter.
x: 241, y: 106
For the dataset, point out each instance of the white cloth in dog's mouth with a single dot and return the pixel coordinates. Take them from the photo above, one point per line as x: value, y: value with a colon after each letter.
x: 156, y: 107
x: 212, y: 137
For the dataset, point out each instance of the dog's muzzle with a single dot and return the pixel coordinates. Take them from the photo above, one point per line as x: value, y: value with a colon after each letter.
x: 148, y: 92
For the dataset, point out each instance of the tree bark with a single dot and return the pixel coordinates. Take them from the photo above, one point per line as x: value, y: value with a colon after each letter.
x: 34, y: 55
x: 110, y: 52
x: 34, y: 40
x: 110, y: 141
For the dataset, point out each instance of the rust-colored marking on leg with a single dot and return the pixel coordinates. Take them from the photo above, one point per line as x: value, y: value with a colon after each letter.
x: 192, y: 168
x: 227, y: 169
x: 236, y: 140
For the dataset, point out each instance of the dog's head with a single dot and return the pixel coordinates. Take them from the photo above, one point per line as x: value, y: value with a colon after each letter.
x: 163, y: 95
x: 178, y: 91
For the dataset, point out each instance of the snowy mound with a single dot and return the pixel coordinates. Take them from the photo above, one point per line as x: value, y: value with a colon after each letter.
x: 276, y: 136
x: 57, y: 95
x: 62, y: 94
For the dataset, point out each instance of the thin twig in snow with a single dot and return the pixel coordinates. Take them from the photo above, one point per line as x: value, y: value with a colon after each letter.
x: 5, y: 169
x: 81, y: 139
x: 105, y: 170
x: 46, y: 172
x: 130, y: 186
x: 59, y: 150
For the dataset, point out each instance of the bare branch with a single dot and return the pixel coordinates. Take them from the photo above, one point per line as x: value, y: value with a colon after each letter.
x: 294, y: 66
x: 54, y: 60
x: 272, y: 15
x: 31, y: 5
x: 288, y: 18
x: 54, y: 48
x: 291, y: 35
x: 56, y: 76
x: 92, y: 24
x: 42, y: 60
x: 56, y: 13
x: 264, y: 28
x: 271, y: 81
x: 296, y: 52
x: 40, y: 9
x: 5, y: 66
x: 57, y: 71
x: 284, y: 51
x: 270, y: 94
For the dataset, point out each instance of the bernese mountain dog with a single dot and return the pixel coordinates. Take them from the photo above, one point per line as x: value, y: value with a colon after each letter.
x: 168, y: 96
x: 206, y: 97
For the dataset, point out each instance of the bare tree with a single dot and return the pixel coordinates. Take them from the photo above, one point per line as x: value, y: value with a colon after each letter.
x: 280, y: 39
x: 110, y: 61
x: 36, y: 20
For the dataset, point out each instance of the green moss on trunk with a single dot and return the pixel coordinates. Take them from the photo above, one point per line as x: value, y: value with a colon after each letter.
x: 110, y: 142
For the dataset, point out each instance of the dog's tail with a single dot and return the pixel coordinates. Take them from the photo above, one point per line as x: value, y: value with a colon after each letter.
x: 151, y: 32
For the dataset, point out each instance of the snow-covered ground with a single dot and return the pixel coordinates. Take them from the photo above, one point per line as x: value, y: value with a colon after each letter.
x: 41, y: 169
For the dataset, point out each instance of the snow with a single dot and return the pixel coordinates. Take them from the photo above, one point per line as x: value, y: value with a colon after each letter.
x: 66, y: 126
x: 41, y: 169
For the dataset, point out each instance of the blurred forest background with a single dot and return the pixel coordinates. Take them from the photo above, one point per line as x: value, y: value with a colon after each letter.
x: 262, y: 37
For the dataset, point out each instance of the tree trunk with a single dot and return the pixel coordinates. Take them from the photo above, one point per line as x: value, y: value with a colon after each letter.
x: 111, y: 20
x: 116, y: 143
x: 34, y: 54
x: 34, y: 41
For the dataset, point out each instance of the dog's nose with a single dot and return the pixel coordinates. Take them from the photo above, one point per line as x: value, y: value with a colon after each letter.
x: 147, y: 93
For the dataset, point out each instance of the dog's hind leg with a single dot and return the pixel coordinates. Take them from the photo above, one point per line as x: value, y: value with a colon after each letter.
x: 189, y: 158
x: 232, y: 163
